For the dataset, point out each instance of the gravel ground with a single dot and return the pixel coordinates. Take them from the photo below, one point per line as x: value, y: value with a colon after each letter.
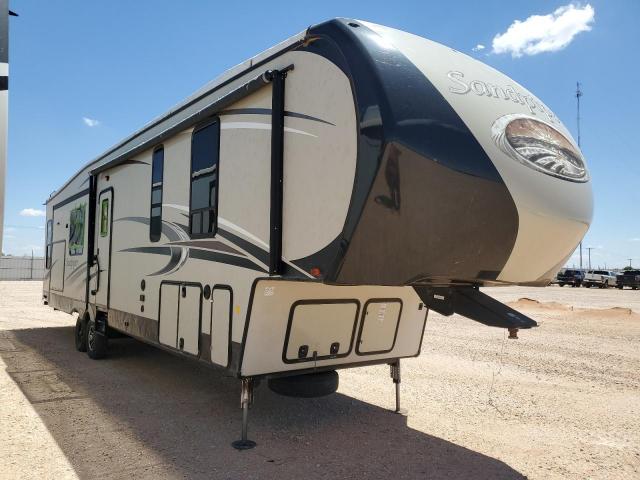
x: 560, y: 402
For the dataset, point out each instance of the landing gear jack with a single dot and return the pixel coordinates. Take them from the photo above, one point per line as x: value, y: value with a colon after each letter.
x: 246, y: 399
x: 395, y: 375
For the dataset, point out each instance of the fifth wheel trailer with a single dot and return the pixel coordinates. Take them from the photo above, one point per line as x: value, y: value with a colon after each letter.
x: 304, y: 211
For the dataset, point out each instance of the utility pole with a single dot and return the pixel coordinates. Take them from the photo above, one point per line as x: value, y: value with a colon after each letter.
x: 630, y: 263
x: 578, y: 95
x: 4, y: 102
x: 590, y: 248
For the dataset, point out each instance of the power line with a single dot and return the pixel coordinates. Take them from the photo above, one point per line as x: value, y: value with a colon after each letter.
x: 578, y: 95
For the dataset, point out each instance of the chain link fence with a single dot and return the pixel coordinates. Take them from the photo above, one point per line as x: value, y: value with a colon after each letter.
x: 21, y: 268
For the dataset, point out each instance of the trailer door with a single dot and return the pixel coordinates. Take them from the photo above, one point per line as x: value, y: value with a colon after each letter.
x: 221, y: 317
x: 100, y: 272
x: 189, y: 312
x: 168, y: 328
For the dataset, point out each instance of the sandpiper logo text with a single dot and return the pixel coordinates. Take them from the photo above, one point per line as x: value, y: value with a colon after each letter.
x: 461, y: 87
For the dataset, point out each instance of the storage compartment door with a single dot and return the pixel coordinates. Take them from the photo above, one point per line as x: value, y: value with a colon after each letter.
x: 220, y: 326
x: 320, y: 329
x: 168, y: 329
x: 379, y: 326
x: 189, y: 319
x: 57, y: 265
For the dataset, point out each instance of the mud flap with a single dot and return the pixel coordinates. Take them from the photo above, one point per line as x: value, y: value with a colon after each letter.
x: 470, y: 302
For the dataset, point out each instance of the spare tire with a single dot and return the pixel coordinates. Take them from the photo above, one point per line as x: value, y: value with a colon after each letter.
x: 310, y: 385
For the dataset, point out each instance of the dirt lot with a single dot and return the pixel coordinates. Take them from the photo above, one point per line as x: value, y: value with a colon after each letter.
x: 563, y: 401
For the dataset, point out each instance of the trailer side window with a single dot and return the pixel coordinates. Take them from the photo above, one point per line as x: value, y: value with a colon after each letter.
x: 76, y: 230
x: 203, y: 208
x: 49, y: 243
x: 157, y: 174
x: 104, y: 217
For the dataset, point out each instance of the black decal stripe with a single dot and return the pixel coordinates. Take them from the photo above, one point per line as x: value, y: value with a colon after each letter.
x: 133, y: 162
x: 224, y: 258
x: 252, y: 249
x: 143, y: 220
x: 71, y: 198
x: 267, y: 111
x: 244, y: 246
x: 4, y: 83
x: 155, y: 250
x: 82, y: 265
x: 174, y: 262
x: 170, y: 232
x: 78, y: 274
x: 185, y: 228
x: 207, y: 245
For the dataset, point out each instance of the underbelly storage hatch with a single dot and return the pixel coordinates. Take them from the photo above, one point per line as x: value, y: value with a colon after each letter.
x: 320, y: 329
x: 379, y: 326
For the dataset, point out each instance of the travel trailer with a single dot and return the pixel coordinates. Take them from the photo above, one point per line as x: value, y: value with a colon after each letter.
x: 304, y: 211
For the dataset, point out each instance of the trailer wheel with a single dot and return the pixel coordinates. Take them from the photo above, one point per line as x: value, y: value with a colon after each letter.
x: 305, y: 386
x: 96, y: 341
x: 561, y: 284
x: 81, y: 334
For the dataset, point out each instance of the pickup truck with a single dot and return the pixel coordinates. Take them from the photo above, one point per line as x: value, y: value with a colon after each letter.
x: 570, y: 277
x: 628, y: 278
x: 600, y: 279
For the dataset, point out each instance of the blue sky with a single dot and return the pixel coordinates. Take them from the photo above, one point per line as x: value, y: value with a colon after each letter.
x: 86, y: 74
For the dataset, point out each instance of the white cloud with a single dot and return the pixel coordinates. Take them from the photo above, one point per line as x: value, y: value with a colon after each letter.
x: 32, y: 212
x: 544, y: 33
x: 478, y: 47
x: 90, y: 122
x: 635, y: 239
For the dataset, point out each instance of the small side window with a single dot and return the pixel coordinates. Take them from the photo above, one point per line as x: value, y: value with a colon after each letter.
x: 203, y: 207
x: 155, y: 215
x: 104, y: 217
x: 76, y: 229
x: 49, y: 244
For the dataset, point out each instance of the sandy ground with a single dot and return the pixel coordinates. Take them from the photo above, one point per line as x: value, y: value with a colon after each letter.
x: 563, y: 401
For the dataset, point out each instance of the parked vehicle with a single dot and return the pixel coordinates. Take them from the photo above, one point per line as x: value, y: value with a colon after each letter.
x: 282, y: 234
x: 599, y: 278
x: 628, y: 278
x: 570, y: 277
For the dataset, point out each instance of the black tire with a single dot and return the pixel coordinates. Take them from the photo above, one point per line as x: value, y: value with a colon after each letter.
x: 115, y: 334
x: 561, y: 284
x: 306, y: 386
x: 81, y: 334
x: 620, y: 287
x: 97, y: 342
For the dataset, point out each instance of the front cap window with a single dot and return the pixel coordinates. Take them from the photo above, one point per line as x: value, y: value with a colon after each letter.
x: 539, y: 146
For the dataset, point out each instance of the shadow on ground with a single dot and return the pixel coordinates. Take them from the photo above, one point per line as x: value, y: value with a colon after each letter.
x: 143, y: 413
